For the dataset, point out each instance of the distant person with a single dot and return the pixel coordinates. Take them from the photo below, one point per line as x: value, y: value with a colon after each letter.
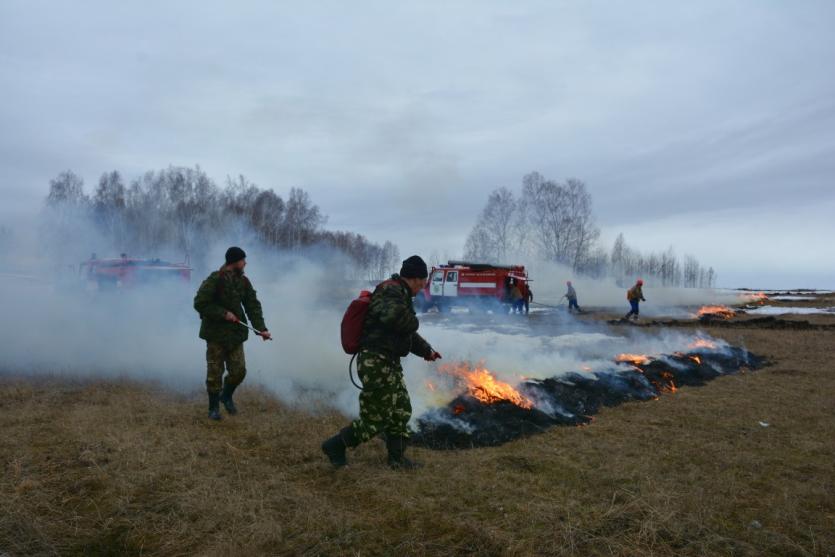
x: 635, y: 295
x: 528, y: 298
x: 516, y: 298
x: 389, y: 333
x: 224, y: 301
x: 571, y: 296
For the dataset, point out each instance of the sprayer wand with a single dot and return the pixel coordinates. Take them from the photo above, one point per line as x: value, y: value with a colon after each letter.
x: 253, y: 329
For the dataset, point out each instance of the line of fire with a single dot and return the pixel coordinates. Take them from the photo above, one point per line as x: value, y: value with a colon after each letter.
x: 487, y: 411
x: 491, y: 412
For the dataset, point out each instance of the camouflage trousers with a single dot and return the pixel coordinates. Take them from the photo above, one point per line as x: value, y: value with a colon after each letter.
x: 384, y: 400
x: 220, y: 355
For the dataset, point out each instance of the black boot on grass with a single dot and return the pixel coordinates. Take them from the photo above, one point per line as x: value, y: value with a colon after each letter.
x: 226, y: 398
x: 214, y: 406
x: 334, y: 448
x: 396, y: 447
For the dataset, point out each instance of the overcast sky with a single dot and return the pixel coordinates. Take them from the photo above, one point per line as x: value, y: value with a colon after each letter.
x: 709, y: 126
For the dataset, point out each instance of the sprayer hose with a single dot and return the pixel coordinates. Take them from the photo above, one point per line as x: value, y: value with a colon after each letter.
x: 351, y: 375
x: 351, y: 371
x: 546, y: 305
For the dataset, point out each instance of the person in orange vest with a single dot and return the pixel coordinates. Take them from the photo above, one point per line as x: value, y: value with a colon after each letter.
x: 517, y: 300
x: 635, y: 295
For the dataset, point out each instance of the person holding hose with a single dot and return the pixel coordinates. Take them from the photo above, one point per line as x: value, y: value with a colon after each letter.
x: 571, y: 296
x: 389, y: 333
x: 635, y: 295
x: 224, y: 300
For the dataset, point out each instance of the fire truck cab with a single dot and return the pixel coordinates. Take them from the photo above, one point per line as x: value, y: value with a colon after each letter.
x: 472, y: 285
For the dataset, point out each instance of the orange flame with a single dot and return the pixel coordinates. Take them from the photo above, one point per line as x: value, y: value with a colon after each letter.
x: 696, y: 359
x: 758, y: 297
x: 702, y: 343
x: 483, y: 385
x: 716, y: 311
x: 669, y: 385
x: 634, y: 359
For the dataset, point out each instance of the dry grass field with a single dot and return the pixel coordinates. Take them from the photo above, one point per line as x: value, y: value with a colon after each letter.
x: 121, y: 468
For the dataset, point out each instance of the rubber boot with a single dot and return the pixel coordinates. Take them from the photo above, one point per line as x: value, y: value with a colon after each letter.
x: 226, y: 398
x: 214, y: 406
x: 334, y: 448
x: 396, y: 447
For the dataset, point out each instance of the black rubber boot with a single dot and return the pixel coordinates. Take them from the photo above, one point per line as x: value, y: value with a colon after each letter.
x: 214, y: 406
x: 226, y: 398
x: 396, y: 447
x: 334, y: 448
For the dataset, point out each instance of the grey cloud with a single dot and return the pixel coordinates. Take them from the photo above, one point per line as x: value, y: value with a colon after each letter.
x: 419, y: 110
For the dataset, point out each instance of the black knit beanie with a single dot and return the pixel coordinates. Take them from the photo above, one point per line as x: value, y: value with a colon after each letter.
x: 414, y: 267
x: 234, y: 254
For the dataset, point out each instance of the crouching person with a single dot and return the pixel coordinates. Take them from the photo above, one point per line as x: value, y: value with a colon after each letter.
x: 221, y: 302
x: 388, y: 334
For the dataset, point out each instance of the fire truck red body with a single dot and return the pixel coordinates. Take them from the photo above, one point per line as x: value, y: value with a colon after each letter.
x: 128, y: 272
x: 474, y: 285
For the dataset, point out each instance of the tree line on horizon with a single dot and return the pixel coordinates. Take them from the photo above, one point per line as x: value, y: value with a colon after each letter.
x: 554, y: 221
x: 181, y: 209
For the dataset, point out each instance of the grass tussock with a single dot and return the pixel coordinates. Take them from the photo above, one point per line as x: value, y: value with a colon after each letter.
x: 116, y: 468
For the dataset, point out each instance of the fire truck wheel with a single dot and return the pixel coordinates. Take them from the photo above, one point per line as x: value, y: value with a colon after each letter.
x: 479, y: 306
x: 489, y: 305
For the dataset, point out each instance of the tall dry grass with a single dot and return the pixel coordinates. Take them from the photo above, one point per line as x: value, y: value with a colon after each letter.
x: 120, y: 468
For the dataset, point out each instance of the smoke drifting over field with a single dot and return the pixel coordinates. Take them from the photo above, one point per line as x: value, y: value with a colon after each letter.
x: 150, y: 333
x: 549, y: 286
x: 55, y: 324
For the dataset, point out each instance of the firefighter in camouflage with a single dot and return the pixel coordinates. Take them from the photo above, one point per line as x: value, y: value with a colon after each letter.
x: 224, y: 301
x: 389, y: 333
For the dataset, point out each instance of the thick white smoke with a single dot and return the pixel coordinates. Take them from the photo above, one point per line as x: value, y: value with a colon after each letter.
x: 149, y: 333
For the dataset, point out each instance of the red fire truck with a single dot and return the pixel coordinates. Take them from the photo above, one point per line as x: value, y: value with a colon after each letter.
x: 473, y: 285
x: 128, y: 272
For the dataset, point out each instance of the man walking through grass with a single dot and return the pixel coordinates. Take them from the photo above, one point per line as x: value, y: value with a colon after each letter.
x: 388, y: 334
x: 224, y: 301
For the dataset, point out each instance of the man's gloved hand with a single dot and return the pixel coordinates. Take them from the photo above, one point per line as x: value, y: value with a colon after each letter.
x: 231, y: 317
x: 266, y: 335
x: 643, y: 299
x: 433, y: 356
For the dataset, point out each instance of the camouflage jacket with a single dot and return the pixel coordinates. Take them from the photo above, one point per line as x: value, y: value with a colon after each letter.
x: 635, y: 293
x: 226, y: 291
x: 391, y: 324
